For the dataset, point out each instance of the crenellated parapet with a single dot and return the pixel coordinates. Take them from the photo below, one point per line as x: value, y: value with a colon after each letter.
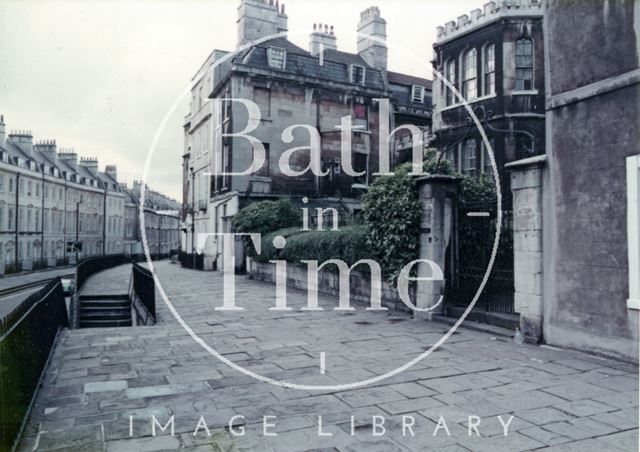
x: 490, y: 12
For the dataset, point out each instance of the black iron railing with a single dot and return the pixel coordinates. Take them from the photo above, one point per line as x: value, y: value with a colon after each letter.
x: 475, y: 236
x: 143, y: 295
x: 194, y: 261
x: 27, y: 338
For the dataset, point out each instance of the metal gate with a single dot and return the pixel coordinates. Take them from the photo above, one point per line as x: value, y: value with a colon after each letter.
x: 468, y: 258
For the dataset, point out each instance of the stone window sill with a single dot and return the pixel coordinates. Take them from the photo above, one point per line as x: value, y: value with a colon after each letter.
x: 477, y: 99
x: 529, y: 92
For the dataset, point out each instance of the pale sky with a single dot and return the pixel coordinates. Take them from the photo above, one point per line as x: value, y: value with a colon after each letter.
x: 100, y: 75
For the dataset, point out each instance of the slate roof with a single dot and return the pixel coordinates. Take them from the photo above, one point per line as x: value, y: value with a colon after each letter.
x: 14, y: 151
x: 401, y: 94
x: 408, y: 80
x: 301, y: 63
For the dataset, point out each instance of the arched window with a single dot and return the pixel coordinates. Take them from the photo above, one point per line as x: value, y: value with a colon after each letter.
x: 450, y: 74
x: 524, y: 64
x: 489, y: 68
x: 470, y: 74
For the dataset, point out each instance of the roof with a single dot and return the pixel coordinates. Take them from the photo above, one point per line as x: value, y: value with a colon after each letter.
x: 344, y: 57
x: 301, y: 63
x: 408, y: 80
x: 13, y: 150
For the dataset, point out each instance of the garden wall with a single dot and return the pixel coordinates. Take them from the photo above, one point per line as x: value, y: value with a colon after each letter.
x: 328, y: 283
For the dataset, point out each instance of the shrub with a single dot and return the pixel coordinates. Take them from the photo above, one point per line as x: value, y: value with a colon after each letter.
x: 348, y: 244
x: 392, y: 213
x: 266, y: 216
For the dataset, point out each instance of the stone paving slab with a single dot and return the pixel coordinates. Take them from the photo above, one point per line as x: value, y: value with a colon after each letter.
x: 105, y: 387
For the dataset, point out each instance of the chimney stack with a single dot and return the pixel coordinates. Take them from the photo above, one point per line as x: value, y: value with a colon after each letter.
x: 69, y: 156
x: 112, y: 171
x: 47, y: 148
x: 2, y: 131
x: 89, y: 163
x: 322, y: 38
x: 372, y: 38
x: 23, y: 139
x: 260, y: 18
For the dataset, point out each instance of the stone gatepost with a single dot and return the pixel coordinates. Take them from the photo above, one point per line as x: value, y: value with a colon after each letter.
x: 438, y: 197
x: 527, y: 184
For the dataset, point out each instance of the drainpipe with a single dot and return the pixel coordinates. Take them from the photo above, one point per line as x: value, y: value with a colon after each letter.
x: 17, y: 215
x: 42, y: 220
x: 158, y: 238
x: 193, y: 217
x: 77, y: 227
x: 64, y: 225
x: 104, y: 223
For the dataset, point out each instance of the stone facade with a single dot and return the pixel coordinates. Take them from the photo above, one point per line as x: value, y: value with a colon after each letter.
x: 494, y: 58
x: 592, y: 129
x: 161, y: 222
x: 528, y: 179
x: 50, y: 199
x: 291, y: 85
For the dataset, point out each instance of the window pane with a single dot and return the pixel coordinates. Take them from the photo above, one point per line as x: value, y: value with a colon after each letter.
x: 469, y: 74
x: 469, y: 158
x: 524, y: 64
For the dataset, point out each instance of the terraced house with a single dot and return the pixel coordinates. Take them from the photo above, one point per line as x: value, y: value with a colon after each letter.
x: 56, y: 208
x: 317, y: 87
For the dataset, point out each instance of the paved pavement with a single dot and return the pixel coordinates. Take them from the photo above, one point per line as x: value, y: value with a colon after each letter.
x: 104, y: 386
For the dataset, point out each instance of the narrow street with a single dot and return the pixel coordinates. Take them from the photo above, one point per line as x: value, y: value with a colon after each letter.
x: 9, y: 302
x: 103, y: 386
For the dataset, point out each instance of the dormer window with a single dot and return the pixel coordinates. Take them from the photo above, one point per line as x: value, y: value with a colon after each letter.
x: 21, y: 163
x: 56, y: 173
x: 417, y: 93
x: 32, y: 165
x: 277, y: 58
x: 5, y: 157
x: 356, y: 74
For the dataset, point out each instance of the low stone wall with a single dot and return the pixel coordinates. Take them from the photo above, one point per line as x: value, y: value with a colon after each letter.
x: 328, y: 283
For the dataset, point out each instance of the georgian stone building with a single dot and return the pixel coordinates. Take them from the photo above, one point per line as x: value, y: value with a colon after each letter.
x: 161, y: 222
x: 317, y: 87
x: 494, y: 58
x: 56, y: 208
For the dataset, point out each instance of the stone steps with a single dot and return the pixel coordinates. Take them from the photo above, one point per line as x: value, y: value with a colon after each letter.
x: 105, y: 311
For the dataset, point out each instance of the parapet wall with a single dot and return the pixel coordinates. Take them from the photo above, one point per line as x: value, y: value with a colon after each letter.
x: 490, y: 12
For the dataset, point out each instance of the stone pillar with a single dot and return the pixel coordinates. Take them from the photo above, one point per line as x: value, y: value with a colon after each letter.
x: 527, y: 188
x: 438, y: 196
